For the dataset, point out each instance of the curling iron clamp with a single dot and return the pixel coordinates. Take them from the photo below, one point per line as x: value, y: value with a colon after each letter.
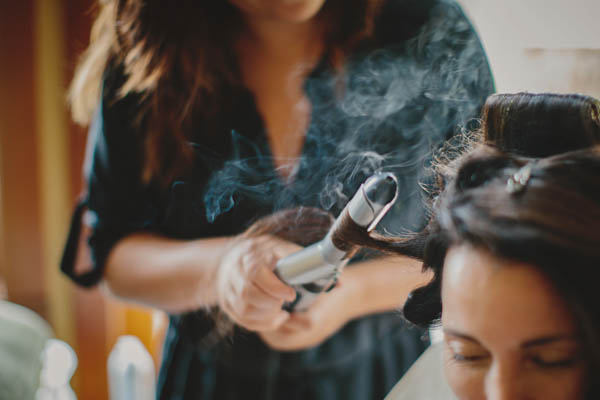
x: 315, y: 269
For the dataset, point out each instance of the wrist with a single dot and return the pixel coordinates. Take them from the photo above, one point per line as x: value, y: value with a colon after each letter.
x: 208, y: 277
x: 354, y: 293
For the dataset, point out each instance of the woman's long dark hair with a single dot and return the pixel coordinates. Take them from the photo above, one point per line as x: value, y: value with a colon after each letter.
x: 177, y: 57
x: 552, y: 221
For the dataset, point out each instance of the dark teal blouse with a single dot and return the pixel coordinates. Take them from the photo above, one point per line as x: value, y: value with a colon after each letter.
x: 418, y: 81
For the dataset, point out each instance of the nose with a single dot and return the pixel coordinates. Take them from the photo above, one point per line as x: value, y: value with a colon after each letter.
x: 502, y: 382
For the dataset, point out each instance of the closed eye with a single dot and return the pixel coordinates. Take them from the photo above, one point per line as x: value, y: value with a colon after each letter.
x: 551, y: 364
x: 468, y: 358
x: 464, y: 348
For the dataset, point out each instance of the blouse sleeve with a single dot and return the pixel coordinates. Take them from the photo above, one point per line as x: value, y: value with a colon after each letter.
x: 117, y: 202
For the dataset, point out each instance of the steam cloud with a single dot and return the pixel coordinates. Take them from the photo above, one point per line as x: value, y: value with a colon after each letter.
x: 398, y: 105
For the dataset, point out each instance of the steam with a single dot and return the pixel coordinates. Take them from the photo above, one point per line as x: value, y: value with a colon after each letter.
x: 238, y: 176
x: 398, y: 105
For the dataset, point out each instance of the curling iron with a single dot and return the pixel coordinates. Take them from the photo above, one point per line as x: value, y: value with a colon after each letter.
x: 315, y: 269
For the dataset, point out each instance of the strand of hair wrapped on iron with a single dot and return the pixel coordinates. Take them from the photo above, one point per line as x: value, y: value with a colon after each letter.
x: 315, y: 269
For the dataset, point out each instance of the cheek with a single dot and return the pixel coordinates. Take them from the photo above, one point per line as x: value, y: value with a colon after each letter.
x: 555, y: 385
x: 467, y: 383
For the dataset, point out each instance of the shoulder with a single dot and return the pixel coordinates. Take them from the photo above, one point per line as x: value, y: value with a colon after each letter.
x: 437, y: 38
x: 425, y: 21
x: 114, y: 141
x: 400, y: 20
x: 425, y: 379
x: 429, y: 43
x: 408, y: 16
x: 425, y: 65
x: 113, y: 104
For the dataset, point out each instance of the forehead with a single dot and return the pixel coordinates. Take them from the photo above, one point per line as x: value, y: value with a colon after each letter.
x: 495, y: 298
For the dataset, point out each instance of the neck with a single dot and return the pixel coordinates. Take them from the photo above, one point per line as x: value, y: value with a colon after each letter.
x: 282, y: 40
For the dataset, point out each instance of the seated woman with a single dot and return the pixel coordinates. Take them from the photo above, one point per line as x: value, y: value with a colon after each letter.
x: 514, y: 246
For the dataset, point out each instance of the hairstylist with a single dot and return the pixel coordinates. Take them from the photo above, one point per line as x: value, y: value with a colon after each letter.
x: 207, y: 115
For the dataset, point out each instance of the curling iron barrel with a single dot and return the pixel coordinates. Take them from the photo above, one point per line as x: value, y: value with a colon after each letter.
x: 315, y: 269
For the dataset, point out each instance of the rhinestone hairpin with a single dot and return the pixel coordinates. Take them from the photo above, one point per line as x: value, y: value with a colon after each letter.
x: 517, y: 182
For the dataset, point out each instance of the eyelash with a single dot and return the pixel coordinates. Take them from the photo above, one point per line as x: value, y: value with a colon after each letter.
x: 565, y: 363
x: 536, y: 360
x: 462, y: 358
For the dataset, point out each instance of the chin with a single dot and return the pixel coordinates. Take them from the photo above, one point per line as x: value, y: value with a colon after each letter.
x: 293, y: 11
x: 297, y: 10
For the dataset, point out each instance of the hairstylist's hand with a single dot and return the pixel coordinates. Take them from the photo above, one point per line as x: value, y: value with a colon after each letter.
x: 305, y: 329
x: 247, y: 288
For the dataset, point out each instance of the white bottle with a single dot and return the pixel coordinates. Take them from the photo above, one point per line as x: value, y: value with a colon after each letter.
x: 131, y: 374
x: 58, y: 365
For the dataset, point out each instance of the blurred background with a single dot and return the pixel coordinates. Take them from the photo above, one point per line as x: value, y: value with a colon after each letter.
x: 532, y: 45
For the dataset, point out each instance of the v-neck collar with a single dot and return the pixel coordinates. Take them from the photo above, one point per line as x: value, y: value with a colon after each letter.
x: 248, y: 123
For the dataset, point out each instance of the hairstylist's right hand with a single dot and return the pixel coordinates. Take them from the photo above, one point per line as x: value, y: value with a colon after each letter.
x: 248, y: 290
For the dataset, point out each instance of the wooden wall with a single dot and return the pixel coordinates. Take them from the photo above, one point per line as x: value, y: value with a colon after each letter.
x: 41, y: 155
x: 21, y: 261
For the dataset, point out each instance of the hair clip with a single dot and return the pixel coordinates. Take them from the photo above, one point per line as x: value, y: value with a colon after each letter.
x: 517, y: 182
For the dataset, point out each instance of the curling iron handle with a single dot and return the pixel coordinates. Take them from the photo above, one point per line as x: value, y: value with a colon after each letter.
x: 313, y: 263
x: 307, y: 294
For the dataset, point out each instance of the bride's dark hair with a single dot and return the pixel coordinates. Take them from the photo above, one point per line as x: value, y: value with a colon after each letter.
x: 551, y: 220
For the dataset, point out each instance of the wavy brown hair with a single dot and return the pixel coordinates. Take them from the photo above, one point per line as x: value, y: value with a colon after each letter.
x: 177, y: 57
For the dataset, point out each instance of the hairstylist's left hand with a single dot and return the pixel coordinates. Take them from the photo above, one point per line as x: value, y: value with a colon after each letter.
x: 305, y: 329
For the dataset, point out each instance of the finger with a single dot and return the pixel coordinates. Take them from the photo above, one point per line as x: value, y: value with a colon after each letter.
x: 284, y: 249
x: 264, y: 323
x: 298, y: 322
x: 272, y: 285
x: 265, y: 251
x: 257, y: 315
x: 272, y: 248
x: 256, y: 296
x: 244, y: 311
x: 278, y: 321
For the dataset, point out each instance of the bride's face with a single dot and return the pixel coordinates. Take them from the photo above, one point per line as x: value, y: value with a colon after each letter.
x: 280, y: 10
x: 507, y: 332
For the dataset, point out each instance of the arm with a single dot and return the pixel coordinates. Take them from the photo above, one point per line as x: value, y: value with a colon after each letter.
x: 124, y: 214
x: 165, y: 273
x: 174, y: 275
x: 456, y: 82
x: 384, y: 284
x: 373, y: 286
x: 136, y: 264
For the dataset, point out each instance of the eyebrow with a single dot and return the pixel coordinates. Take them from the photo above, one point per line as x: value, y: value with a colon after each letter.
x: 530, y: 343
x: 460, y: 335
x: 549, y: 339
